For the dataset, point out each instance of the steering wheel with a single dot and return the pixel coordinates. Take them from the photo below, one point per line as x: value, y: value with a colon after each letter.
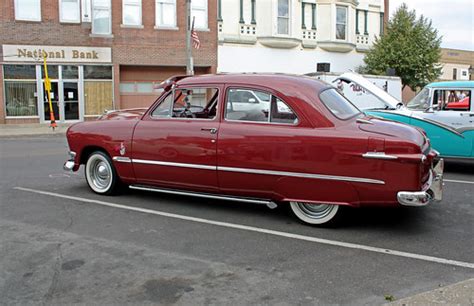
x: 186, y: 113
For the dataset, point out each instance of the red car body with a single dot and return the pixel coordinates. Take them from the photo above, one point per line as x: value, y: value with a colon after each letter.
x: 321, y: 159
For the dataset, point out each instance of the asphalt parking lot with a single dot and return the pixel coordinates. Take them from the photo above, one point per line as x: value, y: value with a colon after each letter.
x: 60, y: 243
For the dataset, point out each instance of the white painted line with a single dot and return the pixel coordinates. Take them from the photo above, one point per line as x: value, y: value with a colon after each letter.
x: 261, y: 230
x: 457, y: 181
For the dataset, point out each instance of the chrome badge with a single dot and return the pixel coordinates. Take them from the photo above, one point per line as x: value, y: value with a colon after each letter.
x: 122, y: 149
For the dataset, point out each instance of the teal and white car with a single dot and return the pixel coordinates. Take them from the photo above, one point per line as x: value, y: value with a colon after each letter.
x: 445, y: 110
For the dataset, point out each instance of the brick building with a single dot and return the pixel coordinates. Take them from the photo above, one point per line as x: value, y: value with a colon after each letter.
x: 102, y: 54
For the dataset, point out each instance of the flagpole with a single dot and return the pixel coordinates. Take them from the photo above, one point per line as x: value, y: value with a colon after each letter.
x: 189, y: 52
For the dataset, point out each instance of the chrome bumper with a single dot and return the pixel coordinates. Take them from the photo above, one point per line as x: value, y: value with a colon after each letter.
x: 70, y: 163
x: 433, y: 190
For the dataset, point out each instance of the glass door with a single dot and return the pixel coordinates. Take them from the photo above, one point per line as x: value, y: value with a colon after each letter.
x: 70, y: 101
x: 54, y: 101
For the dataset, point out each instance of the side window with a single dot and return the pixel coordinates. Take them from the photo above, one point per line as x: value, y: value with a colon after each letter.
x: 163, y: 109
x: 452, y: 100
x: 282, y: 113
x: 257, y: 106
x: 195, y: 103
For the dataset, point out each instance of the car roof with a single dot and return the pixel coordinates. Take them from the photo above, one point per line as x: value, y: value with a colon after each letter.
x: 452, y: 84
x: 271, y: 80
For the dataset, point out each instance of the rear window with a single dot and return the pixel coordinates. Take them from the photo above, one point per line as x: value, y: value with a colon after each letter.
x: 338, y: 105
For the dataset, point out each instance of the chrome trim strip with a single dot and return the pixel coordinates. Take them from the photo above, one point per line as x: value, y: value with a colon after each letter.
x: 259, y: 171
x: 171, y: 164
x: 203, y: 195
x: 122, y: 159
x: 360, y: 120
x: 302, y: 175
x: 378, y: 155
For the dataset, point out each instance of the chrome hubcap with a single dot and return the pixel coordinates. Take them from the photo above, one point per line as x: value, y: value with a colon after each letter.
x: 315, y: 211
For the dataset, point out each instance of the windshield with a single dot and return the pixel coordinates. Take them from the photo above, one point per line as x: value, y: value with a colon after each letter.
x: 421, y: 101
x: 338, y: 105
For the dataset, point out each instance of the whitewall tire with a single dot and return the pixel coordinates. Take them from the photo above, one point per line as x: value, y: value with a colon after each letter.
x: 315, y: 214
x: 100, y: 173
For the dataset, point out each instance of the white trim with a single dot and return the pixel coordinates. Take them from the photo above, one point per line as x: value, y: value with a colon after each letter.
x: 23, y: 19
x: 276, y: 33
x: 21, y: 117
x: 77, y: 20
x: 159, y: 3
x: 346, y: 24
x: 102, y: 8
x: 260, y: 230
x: 137, y: 3
x: 206, y: 14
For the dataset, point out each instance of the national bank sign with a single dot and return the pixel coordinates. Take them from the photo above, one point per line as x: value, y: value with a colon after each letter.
x: 58, y: 54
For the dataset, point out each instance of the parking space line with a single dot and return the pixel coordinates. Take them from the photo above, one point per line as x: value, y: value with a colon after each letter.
x: 260, y: 230
x: 458, y: 181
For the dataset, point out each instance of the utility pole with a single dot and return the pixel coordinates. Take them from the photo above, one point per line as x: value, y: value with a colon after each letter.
x: 189, y: 52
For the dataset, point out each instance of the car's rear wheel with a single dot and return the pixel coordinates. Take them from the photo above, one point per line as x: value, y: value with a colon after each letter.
x: 100, y: 173
x: 315, y: 213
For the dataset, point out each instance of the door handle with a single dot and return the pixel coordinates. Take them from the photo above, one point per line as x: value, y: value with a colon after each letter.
x: 210, y: 130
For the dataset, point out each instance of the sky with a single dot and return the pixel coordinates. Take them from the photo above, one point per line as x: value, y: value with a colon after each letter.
x: 454, y: 19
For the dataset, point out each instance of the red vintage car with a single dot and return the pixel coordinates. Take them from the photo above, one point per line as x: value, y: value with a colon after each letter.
x: 263, y: 139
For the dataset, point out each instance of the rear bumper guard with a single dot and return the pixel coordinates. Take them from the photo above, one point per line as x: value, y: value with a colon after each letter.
x: 433, y: 190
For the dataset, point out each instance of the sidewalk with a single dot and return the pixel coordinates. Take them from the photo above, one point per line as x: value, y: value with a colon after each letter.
x: 461, y: 293
x: 10, y: 130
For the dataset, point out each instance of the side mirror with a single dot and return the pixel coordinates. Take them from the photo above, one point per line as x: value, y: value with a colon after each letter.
x: 252, y: 100
x: 399, y: 105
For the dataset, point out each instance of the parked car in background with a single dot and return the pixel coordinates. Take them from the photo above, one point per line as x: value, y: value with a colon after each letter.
x: 311, y: 149
x: 445, y: 110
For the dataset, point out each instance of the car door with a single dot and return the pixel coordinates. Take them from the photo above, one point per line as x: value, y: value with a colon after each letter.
x: 255, y: 144
x: 174, y: 145
x: 451, y: 107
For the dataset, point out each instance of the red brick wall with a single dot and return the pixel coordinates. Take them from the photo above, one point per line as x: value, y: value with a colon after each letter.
x: 138, y: 47
x: 146, y: 46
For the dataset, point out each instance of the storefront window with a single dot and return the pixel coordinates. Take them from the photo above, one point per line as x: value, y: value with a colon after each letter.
x: 98, y: 72
x: 70, y: 72
x: 19, y: 72
x: 20, y: 98
x: 20, y: 90
x: 52, y: 72
x: 98, y: 89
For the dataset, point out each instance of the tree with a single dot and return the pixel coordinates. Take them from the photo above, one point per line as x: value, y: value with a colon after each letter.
x: 409, y: 45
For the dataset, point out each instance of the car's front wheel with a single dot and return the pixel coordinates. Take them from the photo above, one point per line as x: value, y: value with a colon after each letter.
x: 100, y: 173
x: 315, y: 213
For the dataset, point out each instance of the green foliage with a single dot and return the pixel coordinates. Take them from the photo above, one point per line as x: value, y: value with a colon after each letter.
x: 411, y: 46
x: 389, y: 297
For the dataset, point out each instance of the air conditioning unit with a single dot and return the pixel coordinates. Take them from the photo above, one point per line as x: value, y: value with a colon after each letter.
x: 323, y: 67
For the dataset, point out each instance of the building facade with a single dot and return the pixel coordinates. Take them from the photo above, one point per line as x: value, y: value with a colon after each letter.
x: 293, y: 36
x: 457, y: 64
x: 101, y: 54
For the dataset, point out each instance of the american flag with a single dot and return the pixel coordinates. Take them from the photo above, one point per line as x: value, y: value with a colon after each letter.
x: 195, y: 38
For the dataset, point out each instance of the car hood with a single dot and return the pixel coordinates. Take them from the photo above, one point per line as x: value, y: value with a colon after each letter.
x: 125, y: 114
x: 383, y: 96
x: 393, y: 129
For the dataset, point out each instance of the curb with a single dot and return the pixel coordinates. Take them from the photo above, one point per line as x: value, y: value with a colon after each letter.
x: 461, y: 293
